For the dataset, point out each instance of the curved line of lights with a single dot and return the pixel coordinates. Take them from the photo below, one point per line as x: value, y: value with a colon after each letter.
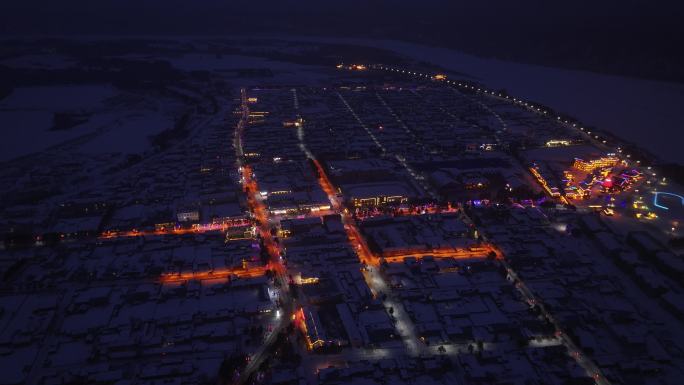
x: 658, y: 193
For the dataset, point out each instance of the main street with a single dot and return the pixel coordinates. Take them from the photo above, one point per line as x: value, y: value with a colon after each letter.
x: 260, y: 214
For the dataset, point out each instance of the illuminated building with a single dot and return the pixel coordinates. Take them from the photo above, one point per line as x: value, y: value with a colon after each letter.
x: 353, y: 67
x: 293, y: 123
x: 283, y: 210
x: 240, y: 232
x: 164, y: 226
x: 188, y: 215
x: 258, y: 114
x: 309, y: 281
x: 290, y: 205
x: 551, y: 190
x: 379, y: 200
x: 558, y: 142
x: 276, y: 192
x: 314, y: 207
x: 475, y: 183
x: 569, y: 178
x: 570, y: 192
x: 589, y: 166
x: 607, y: 183
x: 284, y: 233
x: 583, y: 192
x: 378, y: 194
x: 313, y: 330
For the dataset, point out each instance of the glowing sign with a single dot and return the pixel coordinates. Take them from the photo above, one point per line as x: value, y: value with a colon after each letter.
x: 659, y: 193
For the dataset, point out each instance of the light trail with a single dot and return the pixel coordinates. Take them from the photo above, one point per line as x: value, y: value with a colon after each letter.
x: 353, y: 234
x: 657, y: 194
x: 195, y: 229
x: 249, y: 272
x: 362, y: 215
x: 479, y: 252
x: 260, y: 213
x: 250, y: 186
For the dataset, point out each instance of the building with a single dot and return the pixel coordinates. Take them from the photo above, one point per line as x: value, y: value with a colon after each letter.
x: 589, y: 166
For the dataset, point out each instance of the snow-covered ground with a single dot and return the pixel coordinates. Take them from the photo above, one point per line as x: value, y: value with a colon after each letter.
x: 28, y: 114
x: 58, y: 98
x: 284, y: 72
x: 129, y: 134
x: 641, y: 111
x: 194, y: 62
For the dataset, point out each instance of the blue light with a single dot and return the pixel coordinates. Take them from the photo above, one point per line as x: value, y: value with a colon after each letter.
x: 658, y: 193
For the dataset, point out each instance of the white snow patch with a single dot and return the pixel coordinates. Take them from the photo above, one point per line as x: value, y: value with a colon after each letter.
x: 193, y: 62
x: 57, y: 98
x: 128, y: 135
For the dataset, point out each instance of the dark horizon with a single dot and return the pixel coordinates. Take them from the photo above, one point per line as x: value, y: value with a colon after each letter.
x: 636, y: 38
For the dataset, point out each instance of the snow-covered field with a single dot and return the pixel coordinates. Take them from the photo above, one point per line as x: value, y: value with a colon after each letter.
x: 58, y: 98
x: 28, y: 114
x: 128, y: 134
x: 284, y: 72
x: 641, y: 111
x: 194, y: 62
